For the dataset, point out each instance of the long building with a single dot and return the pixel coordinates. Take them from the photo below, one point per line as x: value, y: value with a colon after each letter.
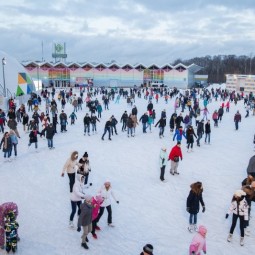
x: 62, y: 74
x: 240, y: 83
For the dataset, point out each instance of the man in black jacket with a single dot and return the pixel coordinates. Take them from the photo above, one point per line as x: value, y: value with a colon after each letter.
x: 107, y: 128
x: 50, y: 132
x: 144, y: 120
x: 123, y: 119
x: 200, y: 131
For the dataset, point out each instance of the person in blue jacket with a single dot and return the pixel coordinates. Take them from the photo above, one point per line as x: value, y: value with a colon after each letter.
x: 179, y: 133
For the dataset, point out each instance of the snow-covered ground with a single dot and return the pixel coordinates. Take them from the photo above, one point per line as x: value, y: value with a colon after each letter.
x: 149, y: 211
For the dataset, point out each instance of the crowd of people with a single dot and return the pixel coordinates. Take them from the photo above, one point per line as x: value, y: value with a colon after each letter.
x: 188, y: 115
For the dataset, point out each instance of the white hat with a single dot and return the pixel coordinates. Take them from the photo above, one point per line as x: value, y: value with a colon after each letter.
x: 88, y: 197
x: 239, y: 193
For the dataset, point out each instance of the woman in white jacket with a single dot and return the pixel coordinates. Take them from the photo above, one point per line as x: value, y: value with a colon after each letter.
x: 239, y: 208
x: 162, y: 162
x: 76, y: 197
x: 70, y: 167
x: 106, y: 193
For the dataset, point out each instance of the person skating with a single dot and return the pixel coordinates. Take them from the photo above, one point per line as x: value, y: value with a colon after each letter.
x: 162, y: 124
x: 84, y: 167
x: 86, y: 122
x: 124, y: 119
x: 107, y: 128
x: 162, y: 163
x: 237, y: 119
x: 130, y: 124
x: 239, y: 208
x: 193, y: 200
x: 85, y: 220
x: 15, y: 142
x: 207, y: 132
x: 7, y: 145
x: 179, y: 133
x: 190, y: 138
x: 70, y: 167
x: 144, y: 118
x: 106, y: 193
x: 251, y: 167
x: 94, y: 120
x: 198, y: 242
x: 114, y: 122
x: 73, y: 117
x: 174, y: 156
x: 96, y: 203
x: 63, y: 121
x: 172, y: 122
x: 50, y: 132
x: 33, y: 137
x: 200, y: 131
x: 76, y: 196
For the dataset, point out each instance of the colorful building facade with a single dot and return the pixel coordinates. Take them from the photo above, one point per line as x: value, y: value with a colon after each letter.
x: 111, y: 74
x: 240, y: 83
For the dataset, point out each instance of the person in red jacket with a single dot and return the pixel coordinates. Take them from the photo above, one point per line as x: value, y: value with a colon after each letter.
x: 175, y: 155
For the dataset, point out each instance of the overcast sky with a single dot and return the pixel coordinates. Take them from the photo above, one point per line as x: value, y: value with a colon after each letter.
x: 127, y: 31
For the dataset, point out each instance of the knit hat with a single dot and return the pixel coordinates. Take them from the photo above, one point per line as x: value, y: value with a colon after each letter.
x: 148, y: 248
x: 239, y: 193
x: 202, y: 230
x: 107, y: 182
x: 85, y: 155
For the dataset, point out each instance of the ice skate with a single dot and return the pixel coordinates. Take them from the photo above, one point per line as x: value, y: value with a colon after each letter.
x: 229, y: 237
x: 242, y: 241
x: 247, y: 231
x: 190, y: 228
x: 111, y: 225
x: 71, y: 225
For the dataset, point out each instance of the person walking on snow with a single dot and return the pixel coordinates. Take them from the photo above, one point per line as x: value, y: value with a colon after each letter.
x: 107, y: 128
x: 207, y: 131
x: 190, y: 137
x: 106, y: 193
x: 96, y: 203
x: 174, y: 156
x: 179, y: 133
x: 162, y: 124
x: 193, y: 200
x: 198, y: 242
x: 200, y: 131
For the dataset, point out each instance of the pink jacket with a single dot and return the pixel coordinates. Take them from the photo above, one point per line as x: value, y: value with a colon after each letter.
x: 96, y: 206
x: 198, y: 244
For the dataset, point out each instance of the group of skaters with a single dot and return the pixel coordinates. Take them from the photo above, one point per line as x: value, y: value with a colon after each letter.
x: 93, y: 206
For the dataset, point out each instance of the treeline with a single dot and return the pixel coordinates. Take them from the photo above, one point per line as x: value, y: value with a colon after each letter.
x: 218, y: 66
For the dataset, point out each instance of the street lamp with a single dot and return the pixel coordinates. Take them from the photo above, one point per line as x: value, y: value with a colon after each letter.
x: 3, y: 64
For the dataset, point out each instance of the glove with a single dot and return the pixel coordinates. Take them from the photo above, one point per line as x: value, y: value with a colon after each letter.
x: 226, y: 215
x: 187, y: 209
x: 117, y: 202
x: 203, y: 209
x: 79, y: 229
x: 204, y: 252
x: 62, y: 174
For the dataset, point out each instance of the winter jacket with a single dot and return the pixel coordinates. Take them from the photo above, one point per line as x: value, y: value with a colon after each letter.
x: 106, y: 194
x: 96, y: 206
x: 7, y: 144
x: 162, y: 158
x: 237, y: 117
x: 14, y: 138
x: 12, y: 124
x: 144, y: 118
x: 99, y: 108
x: 251, y: 166
x: 134, y: 118
x: 193, y: 201
x: 70, y: 166
x: 86, y: 120
x: 33, y: 136
x: 130, y: 122
x: 94, y: 119
x: 178, y: 134
x: 78, y: 189
x: 25, y: 119
x: 178, y: 121
x: 241, y: 209
x: 134, y: 111
x: 175, y: 152
x: 200, y: 128
x: 198, y: 244
x: 207, y: 128
x: 85, y: 217
x: 172, y: 120
x: 124, y: 117
x: 161, y: 122
x: 50, y: 131
x: 190, y: 135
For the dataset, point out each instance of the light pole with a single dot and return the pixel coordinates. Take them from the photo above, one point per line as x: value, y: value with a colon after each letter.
x: 3, y: 64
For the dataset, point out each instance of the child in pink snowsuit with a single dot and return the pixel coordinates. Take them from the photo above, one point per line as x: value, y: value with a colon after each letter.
x: 96, y: 203
x: 198, y: 242
x: 4, y: 209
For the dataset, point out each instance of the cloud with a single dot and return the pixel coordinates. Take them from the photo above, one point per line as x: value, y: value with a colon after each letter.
x: 127, y: 31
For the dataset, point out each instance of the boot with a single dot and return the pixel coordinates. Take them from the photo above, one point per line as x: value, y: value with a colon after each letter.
x: 242, y: 241
x: 85, y: 246
x: 71, y: 225
x: 230, y: 237
x: 195, y: 227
